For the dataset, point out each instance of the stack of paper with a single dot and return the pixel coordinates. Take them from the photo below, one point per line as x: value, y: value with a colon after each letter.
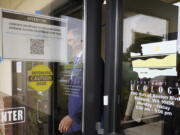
x: 165, y: 47
x: 158, y: 59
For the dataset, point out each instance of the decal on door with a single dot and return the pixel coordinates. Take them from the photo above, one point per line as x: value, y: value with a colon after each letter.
x: 40, y: 78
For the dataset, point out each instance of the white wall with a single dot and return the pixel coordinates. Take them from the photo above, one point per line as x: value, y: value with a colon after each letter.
x: 178, y: 4
x: 30, y: 6
x: 142, y: 24
x: 6, y: 77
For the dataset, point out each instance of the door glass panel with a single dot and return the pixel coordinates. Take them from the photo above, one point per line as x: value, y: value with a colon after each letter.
x: 42, y: 94
x: 150, y: 88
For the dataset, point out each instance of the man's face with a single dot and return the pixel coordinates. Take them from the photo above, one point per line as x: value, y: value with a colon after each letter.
x: 72, y: 41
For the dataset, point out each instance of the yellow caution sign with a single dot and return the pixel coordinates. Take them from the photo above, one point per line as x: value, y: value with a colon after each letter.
x: 40, y: 78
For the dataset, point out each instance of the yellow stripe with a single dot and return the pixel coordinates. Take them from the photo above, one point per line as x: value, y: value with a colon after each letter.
x: 169, y: 61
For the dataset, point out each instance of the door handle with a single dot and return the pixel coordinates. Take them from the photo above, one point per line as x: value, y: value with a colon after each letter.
x: 38, y: 116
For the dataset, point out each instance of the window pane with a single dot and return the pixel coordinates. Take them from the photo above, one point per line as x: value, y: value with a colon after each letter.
x: 41, y: 68
x: 150, y: 88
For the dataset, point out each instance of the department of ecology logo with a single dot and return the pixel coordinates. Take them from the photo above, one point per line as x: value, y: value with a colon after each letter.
x: 40, y: 78
x: 12, y: 115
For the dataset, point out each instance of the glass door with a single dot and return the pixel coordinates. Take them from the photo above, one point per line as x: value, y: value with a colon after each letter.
x: 37, y: 102
x: 142, y: 68
x: 150, y: 68
x: 41, y: 86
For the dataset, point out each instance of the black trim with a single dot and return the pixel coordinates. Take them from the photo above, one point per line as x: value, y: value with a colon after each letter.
x: 68, y: 8
x: 54, y: 89
x: 93, y: 67
x: 113, y: 66
x: 29, y: 18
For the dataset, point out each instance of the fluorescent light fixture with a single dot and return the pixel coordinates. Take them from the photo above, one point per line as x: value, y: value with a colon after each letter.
x: 105, y: 2
x: 177, y: 4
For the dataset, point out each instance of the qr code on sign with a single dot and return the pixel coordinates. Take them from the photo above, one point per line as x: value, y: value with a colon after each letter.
x: 37, y: 46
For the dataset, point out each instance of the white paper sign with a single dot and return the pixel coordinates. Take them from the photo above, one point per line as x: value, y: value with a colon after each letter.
x: 33, y: 37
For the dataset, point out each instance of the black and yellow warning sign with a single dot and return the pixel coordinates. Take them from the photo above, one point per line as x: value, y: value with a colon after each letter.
x: 40, y: 78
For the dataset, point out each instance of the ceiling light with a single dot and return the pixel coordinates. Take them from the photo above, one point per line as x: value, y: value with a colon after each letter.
x: 177, y: 4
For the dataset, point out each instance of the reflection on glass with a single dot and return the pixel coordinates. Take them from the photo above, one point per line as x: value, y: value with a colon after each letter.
x: 71, y: 77
x: 151, y: 86
x: 47, y: 93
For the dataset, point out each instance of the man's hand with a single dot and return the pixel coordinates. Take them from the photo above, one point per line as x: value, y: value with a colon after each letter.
x: 65, y: 124
x: 126, y: 118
